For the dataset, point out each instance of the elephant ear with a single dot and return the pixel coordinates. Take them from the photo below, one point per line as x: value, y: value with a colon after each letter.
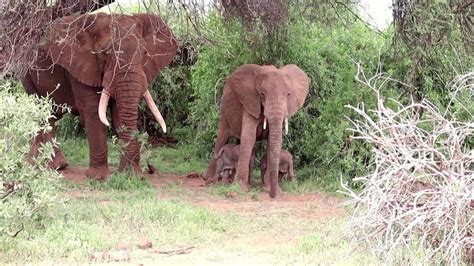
x: 71, y: 45
x: 160, y: 45
x: 243, y: 82
x: 299, y: 87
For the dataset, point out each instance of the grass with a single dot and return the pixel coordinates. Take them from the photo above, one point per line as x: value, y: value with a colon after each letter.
x: 233, y: 190
x: 97, y: 218
x: 183, y: 160
x: 328, y: 244
x: 98, y: 215
x: 96, y: 221
x: 120, y: 181
x: 75, y: 150
x: 179, y: 160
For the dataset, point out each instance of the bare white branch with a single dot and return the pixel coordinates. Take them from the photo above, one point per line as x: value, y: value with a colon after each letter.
x: 419, y: 199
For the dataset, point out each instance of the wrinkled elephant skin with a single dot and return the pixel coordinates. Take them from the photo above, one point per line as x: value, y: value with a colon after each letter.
x: 98, y: 62
x: 256, y: 102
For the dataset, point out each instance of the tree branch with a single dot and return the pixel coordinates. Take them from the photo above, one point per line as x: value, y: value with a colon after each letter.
x: 68, y: 7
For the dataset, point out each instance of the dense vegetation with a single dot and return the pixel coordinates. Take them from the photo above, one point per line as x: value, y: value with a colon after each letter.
x: 27, y: 190
x: 328, y: 49
x: 328, y: 52
x: 428, y: 44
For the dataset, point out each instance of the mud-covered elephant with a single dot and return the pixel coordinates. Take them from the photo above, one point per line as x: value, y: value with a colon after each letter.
x: 256, y: 101
x: 285, y: 167
x: 96, y: 61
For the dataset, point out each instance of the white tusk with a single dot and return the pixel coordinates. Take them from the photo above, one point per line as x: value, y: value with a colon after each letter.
x: 104, y: 101
x: 264, y: 123
x: 286, y: 126
x: 154, y: 109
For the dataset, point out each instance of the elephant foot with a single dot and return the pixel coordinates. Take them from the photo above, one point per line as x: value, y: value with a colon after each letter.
x: 210, y: 181
x: 58, y: 163
x: 207, y: 177
x: 126, y: 164
x: 266, y: 188
x: 244, y: 186
x: 98, y: 173
x: 252, y: 183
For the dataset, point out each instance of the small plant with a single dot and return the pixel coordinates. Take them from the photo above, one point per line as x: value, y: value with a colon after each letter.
x: 26, y: 190
x: 121, y: 181
x: 141, y: 137
x: 226, y: 190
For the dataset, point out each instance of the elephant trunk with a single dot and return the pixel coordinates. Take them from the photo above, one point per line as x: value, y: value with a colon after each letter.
x: 104, y: 101
x: 274, y: 147
x: 127, y: 104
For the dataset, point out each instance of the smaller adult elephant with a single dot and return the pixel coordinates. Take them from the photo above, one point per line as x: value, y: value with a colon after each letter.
x: 256, y: 102
x: 99, y: 61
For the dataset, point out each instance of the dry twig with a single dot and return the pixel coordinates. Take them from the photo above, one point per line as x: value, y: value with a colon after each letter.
x: 418, y: 199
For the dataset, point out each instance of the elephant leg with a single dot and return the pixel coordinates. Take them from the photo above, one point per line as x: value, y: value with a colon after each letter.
x: 223, y: 135
x: 87, y: 101
x: 58, y: 162
x: 247, y: 143
x: 251, y: 166
x: 263, y: 168
x: 116, y: 124
x: 266, y: 177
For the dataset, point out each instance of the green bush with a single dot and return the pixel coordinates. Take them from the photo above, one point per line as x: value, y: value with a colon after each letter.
x: 26, y: 190
x: 215, y: 62
x: 172, y: 93
x: 318, y: 136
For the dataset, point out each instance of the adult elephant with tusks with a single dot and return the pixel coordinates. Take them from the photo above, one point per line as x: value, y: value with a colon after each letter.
x: 256, y: 104
x: 99, y: 61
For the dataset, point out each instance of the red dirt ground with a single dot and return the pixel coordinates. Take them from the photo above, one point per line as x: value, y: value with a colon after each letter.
x: 311, y: 206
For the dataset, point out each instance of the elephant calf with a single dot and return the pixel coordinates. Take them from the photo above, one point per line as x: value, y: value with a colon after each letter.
x: 227, y: 159
x: 285, y: 167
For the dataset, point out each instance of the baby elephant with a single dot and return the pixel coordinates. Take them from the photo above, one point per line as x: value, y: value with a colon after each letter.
x: 226, y: 164
x: 285, y: 168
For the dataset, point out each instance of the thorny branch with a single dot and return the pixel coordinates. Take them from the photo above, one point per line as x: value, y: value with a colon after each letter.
x: 24, y: 25
x: 419, y: 198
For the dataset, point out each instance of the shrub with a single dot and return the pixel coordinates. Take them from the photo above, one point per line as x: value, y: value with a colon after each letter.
x: 214, y: 64
x: 318, y: 136
x: 26, y: 190
x: 418, y: 201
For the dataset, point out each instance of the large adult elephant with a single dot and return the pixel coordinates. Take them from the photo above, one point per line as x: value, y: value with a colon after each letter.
x: 92, y: 62
x: 254, y: 96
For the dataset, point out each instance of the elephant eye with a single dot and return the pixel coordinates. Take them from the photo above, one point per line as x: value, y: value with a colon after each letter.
x: 289, y: 93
